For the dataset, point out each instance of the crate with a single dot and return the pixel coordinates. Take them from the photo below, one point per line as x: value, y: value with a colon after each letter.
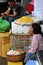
x: 4, y: 43
x: 19, y: 41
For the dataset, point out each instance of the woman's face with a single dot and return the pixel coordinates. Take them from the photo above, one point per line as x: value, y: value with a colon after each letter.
x: 31, y: 31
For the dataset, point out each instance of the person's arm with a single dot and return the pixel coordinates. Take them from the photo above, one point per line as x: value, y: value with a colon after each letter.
x: 5, y: 13
x: 12, y: 15
x: 17, y: 11
x: 34, y: 45
x: 8, y: 11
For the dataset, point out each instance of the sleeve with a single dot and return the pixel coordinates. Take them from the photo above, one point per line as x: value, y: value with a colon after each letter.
x: 34, y: 45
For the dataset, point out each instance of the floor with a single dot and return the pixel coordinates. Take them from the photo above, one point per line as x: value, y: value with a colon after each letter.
x: 3, y: 61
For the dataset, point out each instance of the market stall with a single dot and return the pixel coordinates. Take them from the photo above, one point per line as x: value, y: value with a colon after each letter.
x: 19, y: 33
x: 19, y: 37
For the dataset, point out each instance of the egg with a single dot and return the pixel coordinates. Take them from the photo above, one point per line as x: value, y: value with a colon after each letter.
x: 11, y: 52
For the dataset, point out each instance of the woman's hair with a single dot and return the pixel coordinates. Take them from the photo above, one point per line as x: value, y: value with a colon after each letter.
x: 36, y: 28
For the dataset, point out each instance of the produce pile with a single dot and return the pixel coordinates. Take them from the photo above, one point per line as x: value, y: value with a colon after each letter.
x: 12, y: 52
x: 25, y: 19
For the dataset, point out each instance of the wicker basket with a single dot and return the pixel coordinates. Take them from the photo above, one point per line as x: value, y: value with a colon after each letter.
x: 15, y: 58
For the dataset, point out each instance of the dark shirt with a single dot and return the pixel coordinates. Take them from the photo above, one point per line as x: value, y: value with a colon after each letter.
x: 19, y: 9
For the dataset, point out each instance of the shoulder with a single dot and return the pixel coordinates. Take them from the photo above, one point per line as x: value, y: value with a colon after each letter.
x: 37, y: 36
x: 8, y: 9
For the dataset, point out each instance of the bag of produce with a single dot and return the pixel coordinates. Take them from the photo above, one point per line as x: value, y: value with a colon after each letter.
x: 4, y: 25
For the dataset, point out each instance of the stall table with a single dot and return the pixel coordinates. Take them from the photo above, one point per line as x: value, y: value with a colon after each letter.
x: 4, y: 43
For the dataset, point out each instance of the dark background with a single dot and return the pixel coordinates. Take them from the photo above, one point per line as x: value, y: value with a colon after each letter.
x: 3, y: 6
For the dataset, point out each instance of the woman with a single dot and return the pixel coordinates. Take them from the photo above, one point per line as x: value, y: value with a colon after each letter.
x: 36, y: 39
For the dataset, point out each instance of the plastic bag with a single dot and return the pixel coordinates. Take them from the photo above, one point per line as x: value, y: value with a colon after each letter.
x: 4, y: 25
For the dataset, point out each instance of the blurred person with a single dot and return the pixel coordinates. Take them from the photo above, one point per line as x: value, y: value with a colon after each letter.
x: 36, y: 42
x: 14, y: 11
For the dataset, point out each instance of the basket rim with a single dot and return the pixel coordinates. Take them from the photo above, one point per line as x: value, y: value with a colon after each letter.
x: 18, y: 54
x: 15, y: 55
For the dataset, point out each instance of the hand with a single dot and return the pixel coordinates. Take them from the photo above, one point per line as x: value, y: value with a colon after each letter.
x: 27, y: 50
x: 2, y: 13
x: 7, y: 14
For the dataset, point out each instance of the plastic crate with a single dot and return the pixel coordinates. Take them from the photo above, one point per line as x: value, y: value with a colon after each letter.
x: 19, y: 41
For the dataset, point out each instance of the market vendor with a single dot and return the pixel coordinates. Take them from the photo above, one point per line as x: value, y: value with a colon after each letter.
x: 14, y: 11
x: 36, y: 42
